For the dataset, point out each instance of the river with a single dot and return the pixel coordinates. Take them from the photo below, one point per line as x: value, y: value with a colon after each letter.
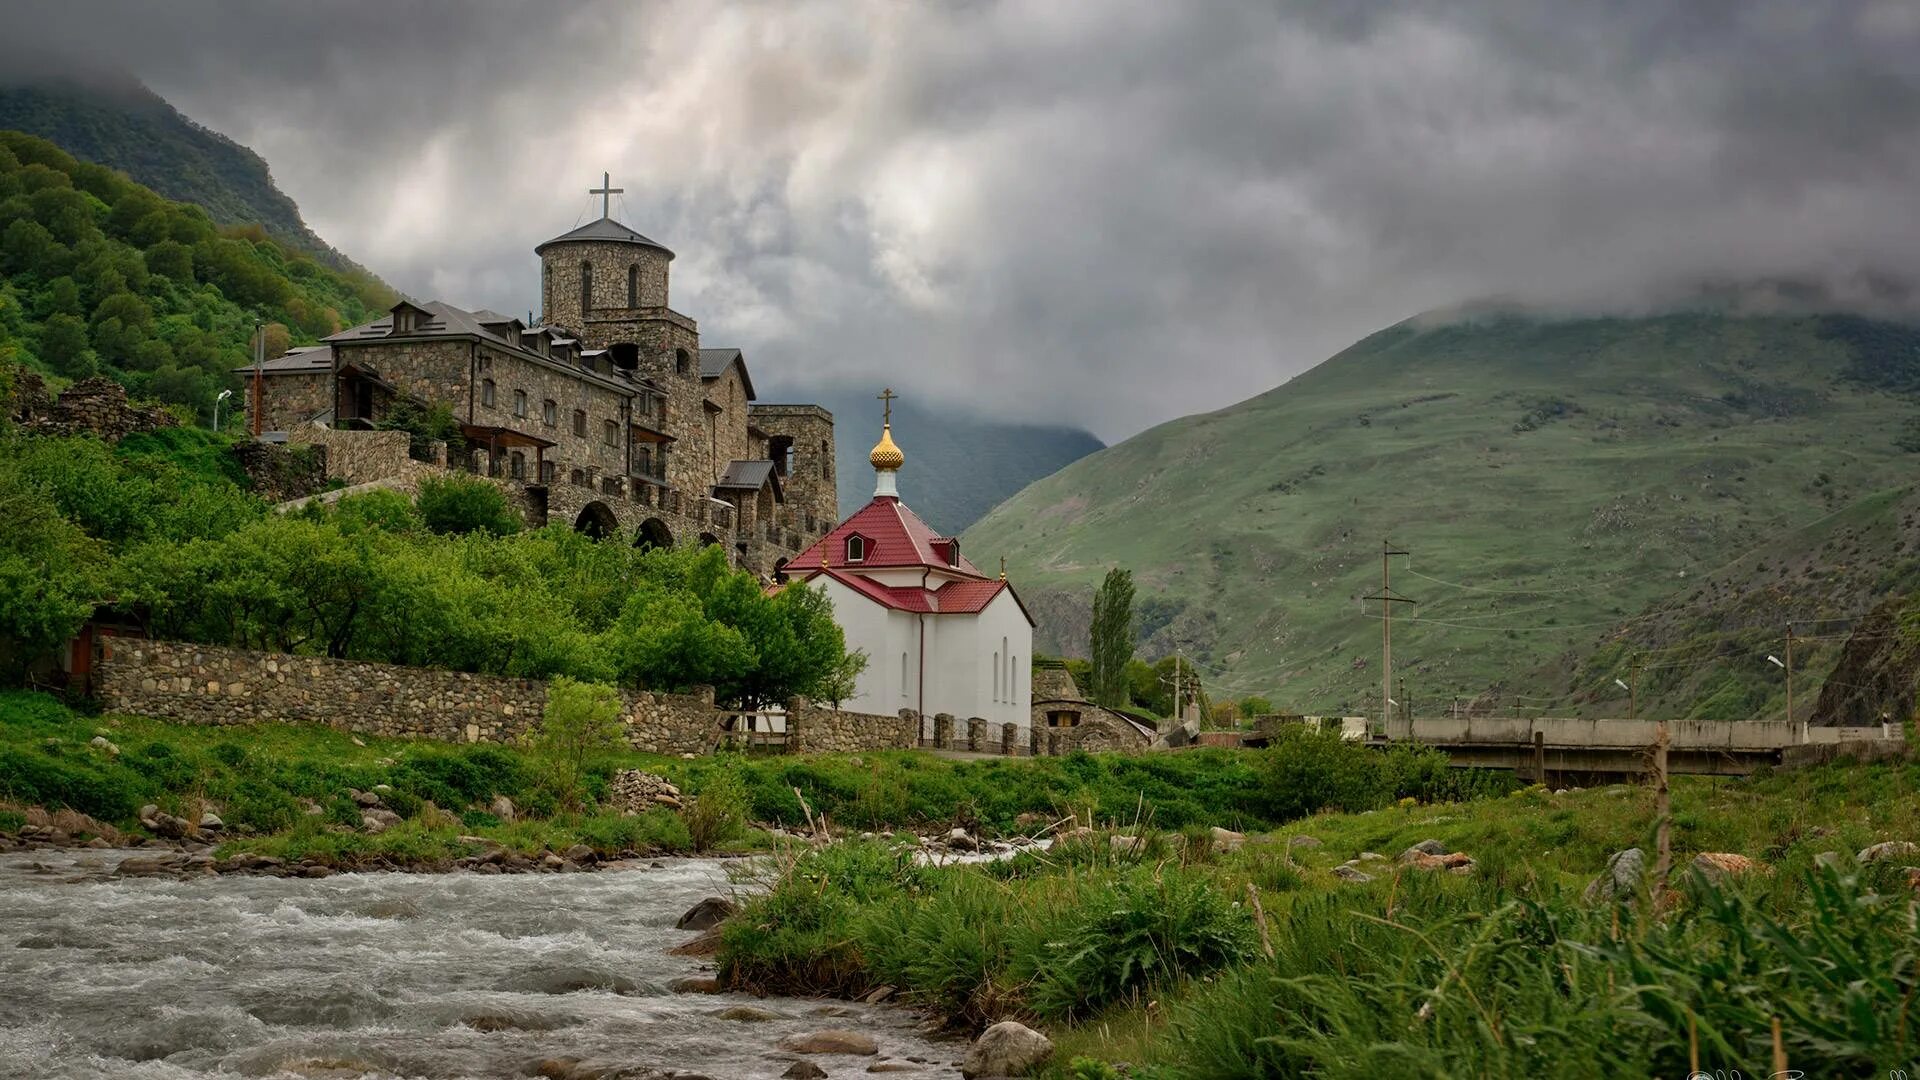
x: 382, y: 975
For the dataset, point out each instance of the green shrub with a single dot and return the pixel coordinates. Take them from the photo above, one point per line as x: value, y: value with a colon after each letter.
x: 717, y: 813
x: 229, y: 754
x: 1146, y: 928
x: 1305, y: 771
x: 456, y: 505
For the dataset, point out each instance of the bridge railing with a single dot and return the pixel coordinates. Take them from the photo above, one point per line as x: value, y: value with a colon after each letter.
x: 1723, y: 735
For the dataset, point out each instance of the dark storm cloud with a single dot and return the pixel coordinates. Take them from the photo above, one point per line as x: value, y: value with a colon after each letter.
x: 1103, y: 212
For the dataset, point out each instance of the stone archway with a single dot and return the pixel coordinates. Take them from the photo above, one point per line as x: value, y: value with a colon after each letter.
x: 596, y: 520
x: 653, y: 534
x: 780, y: 570
x: 707, y: 539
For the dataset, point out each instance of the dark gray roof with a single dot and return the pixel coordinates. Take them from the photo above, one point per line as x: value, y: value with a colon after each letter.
x: 448, y: 321
x: 606, y: 230
x: 715, y: 362
x: 748, y: 475
x: 310, y: 358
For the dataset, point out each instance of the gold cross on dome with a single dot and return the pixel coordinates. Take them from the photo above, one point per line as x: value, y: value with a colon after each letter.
x: 606, y: 191
x: 887, y: 396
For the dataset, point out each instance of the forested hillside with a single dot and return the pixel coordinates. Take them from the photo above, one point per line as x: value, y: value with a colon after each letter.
x: 114, y: 120
x: 99, y: 275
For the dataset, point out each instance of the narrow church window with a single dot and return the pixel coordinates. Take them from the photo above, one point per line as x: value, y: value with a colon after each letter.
x: 520, y: 403
x: 586, y: 288
x: 486, y: 392
x: 550, y: 412
x: 612, y: 432
x: 682, y: 363
x: 904, y: 692
x: 856, y: 549
x: 633, y: 285
x: 996, y: 676
x: 580, y: 422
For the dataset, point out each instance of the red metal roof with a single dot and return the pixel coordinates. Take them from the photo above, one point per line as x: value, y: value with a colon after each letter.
x: 896, y: 538
x: 951, y: 598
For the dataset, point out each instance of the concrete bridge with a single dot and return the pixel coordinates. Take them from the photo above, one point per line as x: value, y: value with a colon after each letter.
x: 1547, y: 749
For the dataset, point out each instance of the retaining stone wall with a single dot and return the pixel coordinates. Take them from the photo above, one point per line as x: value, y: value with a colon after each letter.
x: 357, y: 457
x: 205, y: 684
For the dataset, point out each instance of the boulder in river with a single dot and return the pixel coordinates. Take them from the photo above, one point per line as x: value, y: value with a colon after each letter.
x: 707, y: 914
x: 747, y: 1014
x: 1008, y: 1048
x: 695, y: 984
x: 831, y: 1041
x: 804, y: 1070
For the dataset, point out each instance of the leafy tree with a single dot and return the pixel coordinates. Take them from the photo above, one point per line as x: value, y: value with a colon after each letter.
x: 51, y: 575
x: 1111, y: 636
x: 63, y: 345
x: 581, y: 721
x: 463, y: 504
x: 1255, y: 706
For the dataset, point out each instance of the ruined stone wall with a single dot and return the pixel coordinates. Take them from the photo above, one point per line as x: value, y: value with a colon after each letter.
x: 357, y: 457
x: 202, y: 684
x: 279, y: 472
x: 96, y: 406
x: 1092, y: 728
x: 819, y: 729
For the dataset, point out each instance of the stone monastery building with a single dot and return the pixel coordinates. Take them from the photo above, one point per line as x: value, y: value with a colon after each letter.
x: 607, y: 414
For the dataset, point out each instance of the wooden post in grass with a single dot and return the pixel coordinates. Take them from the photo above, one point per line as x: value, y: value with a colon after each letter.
x: 1662, y: 812
x: 1779, y: 1050
x: 1260, y: 919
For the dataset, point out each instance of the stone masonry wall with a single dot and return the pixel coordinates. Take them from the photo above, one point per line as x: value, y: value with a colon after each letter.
x: 200, y: 684
x: 357, y: 457
x: 289, y: 400
x: 203, y: 684
x: 819, y: 729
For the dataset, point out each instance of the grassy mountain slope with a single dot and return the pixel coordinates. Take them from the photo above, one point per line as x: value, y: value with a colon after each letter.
x: 958, y: 467
x: 1558, y: 482
x: 117, y: 122
x: 99, y: 275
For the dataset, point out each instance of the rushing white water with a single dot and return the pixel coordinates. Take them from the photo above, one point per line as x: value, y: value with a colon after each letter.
x: 380, y: 975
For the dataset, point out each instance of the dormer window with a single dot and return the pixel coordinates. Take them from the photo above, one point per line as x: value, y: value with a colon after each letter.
x: 856, y: 549
x: 953, y: 552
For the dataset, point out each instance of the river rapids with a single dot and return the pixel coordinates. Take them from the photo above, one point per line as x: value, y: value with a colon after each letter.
x: 384, y: 975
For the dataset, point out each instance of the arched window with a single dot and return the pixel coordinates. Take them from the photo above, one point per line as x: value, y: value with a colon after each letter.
x: 856, y: 549
x: 682, y: 363
x: 633, y: 285
x: 586, y: 288
x: 996, y: 676
x: 904, y: 690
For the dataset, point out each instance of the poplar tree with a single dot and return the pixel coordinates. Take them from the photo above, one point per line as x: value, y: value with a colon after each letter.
x: 1111, y: 632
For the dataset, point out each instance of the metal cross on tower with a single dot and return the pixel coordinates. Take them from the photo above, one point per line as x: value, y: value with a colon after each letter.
x: 887, y: 396
x: 606, y: 191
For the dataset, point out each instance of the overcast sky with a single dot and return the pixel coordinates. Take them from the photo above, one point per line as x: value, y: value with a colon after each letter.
x: 1109, y: 213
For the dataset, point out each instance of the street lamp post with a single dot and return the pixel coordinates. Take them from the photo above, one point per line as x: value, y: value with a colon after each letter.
x: 224, y: 395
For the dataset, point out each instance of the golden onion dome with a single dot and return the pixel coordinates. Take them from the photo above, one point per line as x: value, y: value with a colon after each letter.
x: 885, y: 455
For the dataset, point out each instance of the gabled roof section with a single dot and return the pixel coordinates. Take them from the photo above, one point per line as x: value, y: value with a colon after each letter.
x: 750, y: 476
x: 308, y: 359
x: 438, y: 319
x: 715, y: 362
x: 952, y: 598
x: 606, y: 230
x: 896, y: 538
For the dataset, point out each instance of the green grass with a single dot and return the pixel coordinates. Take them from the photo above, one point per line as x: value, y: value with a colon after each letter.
x: 1667, y: 486
x: 1120, y: 959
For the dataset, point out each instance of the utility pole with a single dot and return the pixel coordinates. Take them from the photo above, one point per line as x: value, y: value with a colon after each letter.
x: 259, y: 361
x: 1387, y: 600
x: 1789, y: 673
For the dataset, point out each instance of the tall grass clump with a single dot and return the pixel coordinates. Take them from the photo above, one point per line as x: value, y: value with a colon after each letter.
x: 1446, y: 978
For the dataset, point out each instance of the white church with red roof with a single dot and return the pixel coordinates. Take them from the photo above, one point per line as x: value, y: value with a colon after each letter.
x: 940, y: 636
